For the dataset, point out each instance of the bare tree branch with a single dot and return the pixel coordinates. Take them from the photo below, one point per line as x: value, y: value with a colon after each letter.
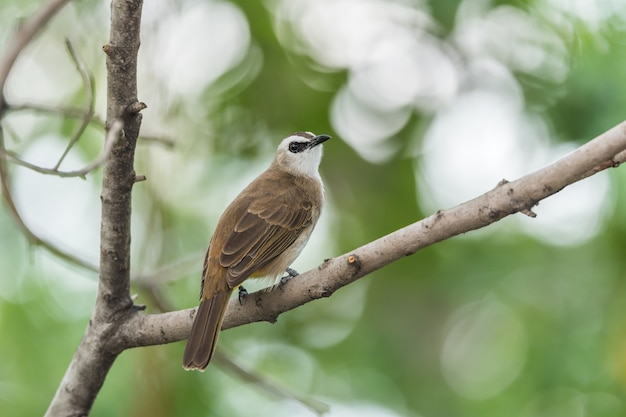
x: 95, y: 355
x: 225, y: 362
x: 88, y: 113
x: 69, y: 112
x: 25, y: 33
x: 605, y: 151
x: 170, y: 272
x: 119, y: 175
x: 76, y: 113
x: 32, y: 237
x: 7, y: 194
x: 109, y: 142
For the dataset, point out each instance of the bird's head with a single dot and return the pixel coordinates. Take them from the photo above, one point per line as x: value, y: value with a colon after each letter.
x: 301, y: 153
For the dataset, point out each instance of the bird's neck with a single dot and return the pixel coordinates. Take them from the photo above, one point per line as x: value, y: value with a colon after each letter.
x: 307, y: 169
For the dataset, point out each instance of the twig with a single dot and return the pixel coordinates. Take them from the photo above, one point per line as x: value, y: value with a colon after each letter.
x: 170, y: 272
x: 11, y: 133
x: 312, y: 404
x: 88, y: 113
x: 31, y: 236
x: 25, y: 33
x: 73, y: 112
x: 161, y: 140
x: 76, y: 113
x: 109, y: 142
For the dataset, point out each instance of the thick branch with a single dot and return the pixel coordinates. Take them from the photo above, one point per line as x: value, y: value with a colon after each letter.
x: 607, y: 150
x: 119, y: 174
x: 95, y: 355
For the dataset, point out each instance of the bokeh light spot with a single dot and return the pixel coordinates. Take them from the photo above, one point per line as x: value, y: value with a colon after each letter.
x: 484, y: 350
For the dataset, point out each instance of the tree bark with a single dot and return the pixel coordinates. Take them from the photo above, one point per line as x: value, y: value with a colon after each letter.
x: 95, y: 354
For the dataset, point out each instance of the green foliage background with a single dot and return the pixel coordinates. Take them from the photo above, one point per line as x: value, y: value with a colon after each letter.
x: 496, y: 323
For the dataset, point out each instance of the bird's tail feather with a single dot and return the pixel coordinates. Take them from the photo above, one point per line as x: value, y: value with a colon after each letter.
x: 204, y: 331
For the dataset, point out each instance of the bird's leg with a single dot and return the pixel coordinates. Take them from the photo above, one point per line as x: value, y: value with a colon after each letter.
x: 242, y: 294
x: 290, y: 274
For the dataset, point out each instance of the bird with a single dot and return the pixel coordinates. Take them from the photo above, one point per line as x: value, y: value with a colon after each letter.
x: 259, y: 235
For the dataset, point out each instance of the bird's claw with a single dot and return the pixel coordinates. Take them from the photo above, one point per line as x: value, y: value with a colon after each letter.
x: 291, y: 273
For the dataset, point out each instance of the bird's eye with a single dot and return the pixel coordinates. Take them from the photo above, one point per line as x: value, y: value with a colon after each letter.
x: 295, y: 147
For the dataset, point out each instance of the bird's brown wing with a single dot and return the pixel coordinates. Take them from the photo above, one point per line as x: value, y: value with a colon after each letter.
x: 262, y: 233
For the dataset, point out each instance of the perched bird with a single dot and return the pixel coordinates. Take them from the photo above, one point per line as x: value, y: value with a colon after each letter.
x: 259, y: 235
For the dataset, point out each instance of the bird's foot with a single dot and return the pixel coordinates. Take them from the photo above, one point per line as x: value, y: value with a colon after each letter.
x: 242, y: 294
x: 290, y: 274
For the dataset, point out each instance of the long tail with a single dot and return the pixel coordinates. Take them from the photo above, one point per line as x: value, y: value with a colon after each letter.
x: 204, y: 331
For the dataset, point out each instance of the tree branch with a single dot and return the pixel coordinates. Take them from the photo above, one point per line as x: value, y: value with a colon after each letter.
x: 25, y: 33
x: 119, y: 174
x: 605, y: 151
x: 109, y: 141
x: 95, y: 355
x: 7, y: 194
x: 76, y: 113
x: 88, y: 113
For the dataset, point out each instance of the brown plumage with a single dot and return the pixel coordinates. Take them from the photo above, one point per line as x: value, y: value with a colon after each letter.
x: 259, y: 235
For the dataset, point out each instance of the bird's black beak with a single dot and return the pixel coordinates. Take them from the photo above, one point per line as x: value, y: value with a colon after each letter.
x: 318, y: 140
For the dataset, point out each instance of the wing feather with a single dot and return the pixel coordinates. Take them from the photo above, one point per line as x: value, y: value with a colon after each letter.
x: 262, y: 233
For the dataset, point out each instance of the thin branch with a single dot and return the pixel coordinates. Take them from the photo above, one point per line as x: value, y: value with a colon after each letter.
x: 23, y: 36
x: 160, y: 140
x: 76, y: 113
x: 69, y: 112
x: 605, y: 151
x: 170, y: 272
x: 88, y: 113
x: 259, y: 381
x: 109, y: 142
x: 25, y: 33
x: 10, y: 133
x: 32, y: 237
